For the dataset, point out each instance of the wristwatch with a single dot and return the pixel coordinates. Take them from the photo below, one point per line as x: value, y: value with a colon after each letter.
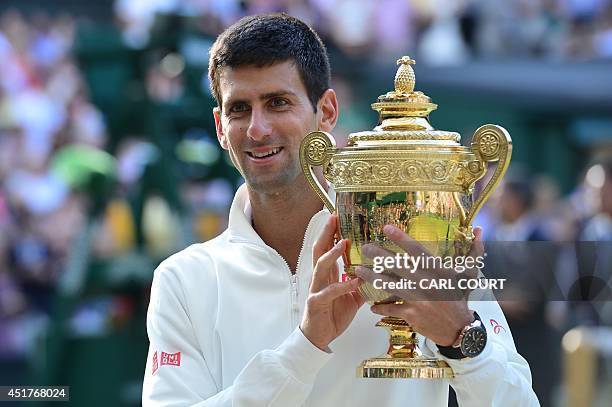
x: 470, y: 343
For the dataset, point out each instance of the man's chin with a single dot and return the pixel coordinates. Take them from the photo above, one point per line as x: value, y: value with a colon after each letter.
x: 269, y: 185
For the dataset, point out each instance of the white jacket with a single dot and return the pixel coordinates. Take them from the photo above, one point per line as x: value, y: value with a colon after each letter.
x: 223, y: 325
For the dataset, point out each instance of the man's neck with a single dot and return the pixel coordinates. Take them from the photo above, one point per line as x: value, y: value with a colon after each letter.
x: 281, y: 218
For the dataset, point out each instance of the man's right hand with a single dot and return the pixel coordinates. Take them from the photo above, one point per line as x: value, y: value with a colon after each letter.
x: 331, y: 305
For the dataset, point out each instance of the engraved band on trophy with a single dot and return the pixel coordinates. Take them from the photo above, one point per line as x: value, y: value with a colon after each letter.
x: 405, y: 173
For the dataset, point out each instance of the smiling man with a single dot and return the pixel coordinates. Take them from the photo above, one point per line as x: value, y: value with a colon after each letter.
x: 257, y: 316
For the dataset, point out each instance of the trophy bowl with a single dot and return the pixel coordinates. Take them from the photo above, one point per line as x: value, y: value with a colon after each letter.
x: 419, y: 179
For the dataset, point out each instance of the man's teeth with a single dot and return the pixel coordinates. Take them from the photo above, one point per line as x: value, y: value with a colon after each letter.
x: 265, y: 153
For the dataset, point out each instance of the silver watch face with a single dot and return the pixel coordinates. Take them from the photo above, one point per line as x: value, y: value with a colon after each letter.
x: 474, y: 341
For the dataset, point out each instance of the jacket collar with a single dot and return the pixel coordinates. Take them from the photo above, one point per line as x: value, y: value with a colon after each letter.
x: 240, y: 226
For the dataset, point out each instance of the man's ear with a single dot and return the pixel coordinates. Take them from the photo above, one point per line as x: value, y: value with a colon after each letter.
x: 219, y: 128
x: 327, y: 111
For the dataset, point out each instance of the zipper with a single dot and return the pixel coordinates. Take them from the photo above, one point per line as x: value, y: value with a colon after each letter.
x: 306, y: 235
x: 293, y: 277
x: 295, y: 307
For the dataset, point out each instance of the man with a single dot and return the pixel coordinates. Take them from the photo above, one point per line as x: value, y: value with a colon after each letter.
x: 243, y: 319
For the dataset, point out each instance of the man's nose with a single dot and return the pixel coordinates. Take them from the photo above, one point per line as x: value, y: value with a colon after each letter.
x: 259, y: 127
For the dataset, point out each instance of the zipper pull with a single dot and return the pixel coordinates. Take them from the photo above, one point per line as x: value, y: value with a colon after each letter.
x: 294, y: 293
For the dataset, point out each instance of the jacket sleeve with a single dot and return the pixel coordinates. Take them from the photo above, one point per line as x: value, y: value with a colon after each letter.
x: 499, y: 376
x: 278, y: 377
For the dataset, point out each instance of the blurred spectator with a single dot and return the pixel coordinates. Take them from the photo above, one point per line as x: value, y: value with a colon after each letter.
x: 599, y: 227
x: 516, y: 221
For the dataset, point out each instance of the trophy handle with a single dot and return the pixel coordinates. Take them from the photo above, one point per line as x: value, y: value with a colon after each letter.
x: 490, y: 143
x: 316, y: 150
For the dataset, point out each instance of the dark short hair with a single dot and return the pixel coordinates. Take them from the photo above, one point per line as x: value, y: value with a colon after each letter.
x: 267, y: 39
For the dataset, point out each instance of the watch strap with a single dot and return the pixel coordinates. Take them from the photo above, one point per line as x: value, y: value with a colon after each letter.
x: 451, y: 352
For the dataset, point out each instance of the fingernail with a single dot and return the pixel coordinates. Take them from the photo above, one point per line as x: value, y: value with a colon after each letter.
x: 363, y: 273
x: 340, y: 245
x: 389, y: 229
x: 366, y: 250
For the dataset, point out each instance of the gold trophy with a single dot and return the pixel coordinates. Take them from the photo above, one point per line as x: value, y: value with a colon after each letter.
x: 405, y: 173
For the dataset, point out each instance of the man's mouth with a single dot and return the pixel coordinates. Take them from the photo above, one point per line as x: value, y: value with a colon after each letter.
x: 264, y: 153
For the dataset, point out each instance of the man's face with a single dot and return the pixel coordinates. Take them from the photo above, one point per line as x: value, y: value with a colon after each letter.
x: 265, y: 114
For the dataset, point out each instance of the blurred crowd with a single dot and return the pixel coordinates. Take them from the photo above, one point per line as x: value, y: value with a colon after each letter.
x: 54, y: 140
x: 438, y: 32
x: 58, y: 179
x: 556, y: 252
x: 44, y: 107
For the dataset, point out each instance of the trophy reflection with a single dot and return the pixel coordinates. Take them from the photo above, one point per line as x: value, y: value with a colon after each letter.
x: 405, y: 173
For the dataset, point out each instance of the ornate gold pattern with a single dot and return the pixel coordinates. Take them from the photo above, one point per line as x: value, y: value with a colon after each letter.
x: 349, y: 173
x: 354, y: 138
x: 316, y: 150
x: 488, y: 145
x: 409, y: 368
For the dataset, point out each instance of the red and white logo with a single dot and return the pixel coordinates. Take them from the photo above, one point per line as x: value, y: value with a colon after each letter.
x: 497, y: 328
x: 172, y: 359
x: 155, y: 364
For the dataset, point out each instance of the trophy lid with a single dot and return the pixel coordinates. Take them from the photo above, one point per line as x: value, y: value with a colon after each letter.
x: 404, y: 113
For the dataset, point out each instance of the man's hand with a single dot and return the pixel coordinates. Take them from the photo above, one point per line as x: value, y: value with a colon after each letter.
x: 331, y: 305
x: 438, y: 315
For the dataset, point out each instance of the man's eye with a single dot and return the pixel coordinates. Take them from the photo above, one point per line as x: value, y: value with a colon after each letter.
x: 239, y: 108
x: 278, y: 102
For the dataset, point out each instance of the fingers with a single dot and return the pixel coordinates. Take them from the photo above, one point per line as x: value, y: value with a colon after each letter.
x: 333, y: 291
x: 477, y: 250
x: 365, y: 273
x: 325, y: 240
x: 413, y: 247
x: 358, y: 298
x: 477, y: 244
x: 477, y: 233
x: 325, y: 265
x: 414, y: 287
x: 372, y: 250
x: 403, y: 311
x: 368, y: 275
x: 404, y: 241
x: 439, y: 283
